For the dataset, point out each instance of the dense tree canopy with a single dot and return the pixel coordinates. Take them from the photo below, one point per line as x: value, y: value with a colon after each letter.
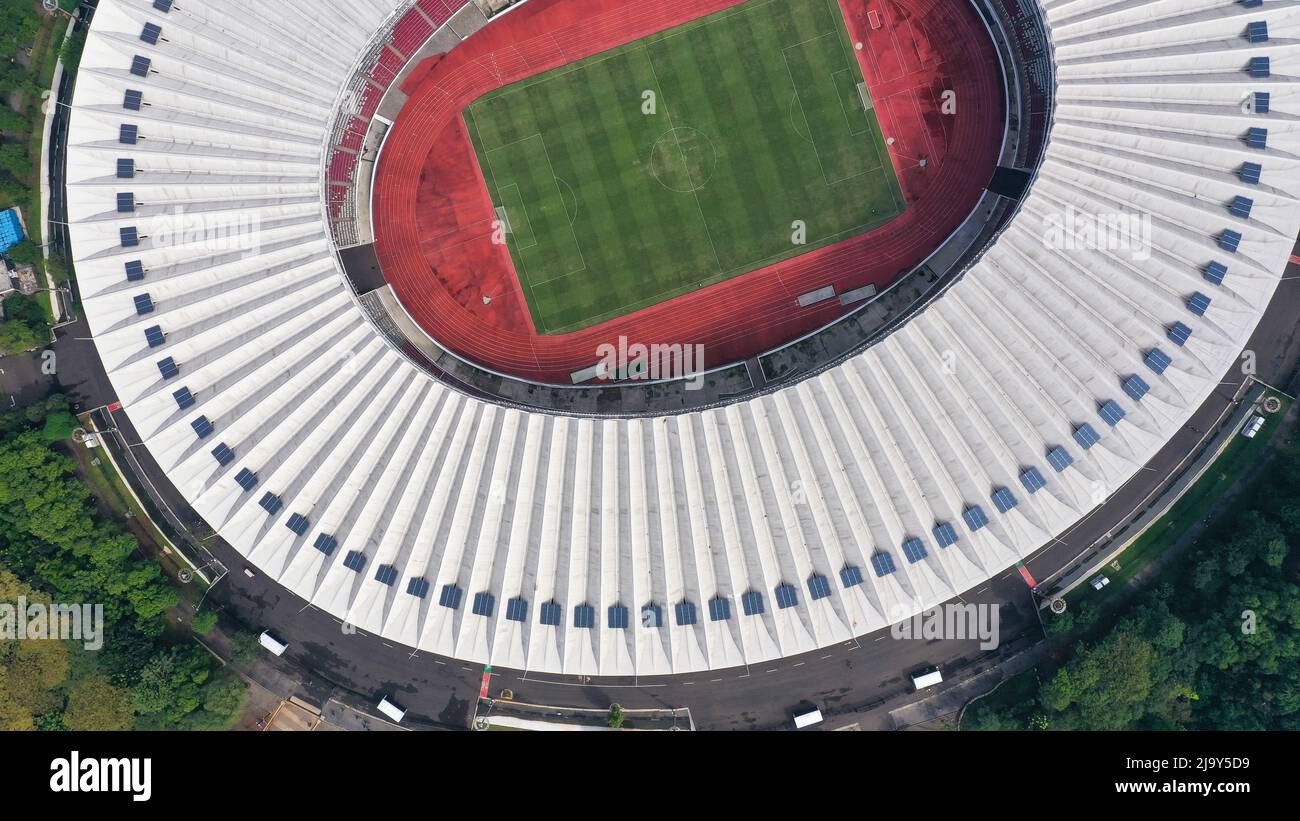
x: 1215, y: 646
x: 56, y: 547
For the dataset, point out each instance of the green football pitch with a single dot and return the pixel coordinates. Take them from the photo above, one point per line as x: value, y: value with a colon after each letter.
x: 684, y: 159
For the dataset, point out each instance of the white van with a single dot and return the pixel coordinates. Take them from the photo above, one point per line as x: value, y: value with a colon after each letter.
x: 928, y: 677
x: 271, y: 643
x: 808, y: 719
x: 391, y: 710
x: 1251, y: 430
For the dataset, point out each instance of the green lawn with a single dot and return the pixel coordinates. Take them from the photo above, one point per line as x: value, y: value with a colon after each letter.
x: 682, y: 160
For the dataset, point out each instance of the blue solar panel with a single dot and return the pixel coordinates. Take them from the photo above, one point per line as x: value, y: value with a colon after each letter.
x: 883, y: 563
x: 1111, y: 413
x: 1216, y: 272
x: 652, y: 616
x: 134, y: 271
x: 516, y: 609
x: 154, y: 336
x: 914, y: 550
x: 851, y: 576
x: 246, y: 479
x: 1158, y: 361
x: 551, y: 614
x: 751, y: 603
x: 450, y: 596
x: 271, y: 503
x: 298, y: 523
x: 617, y: 617
x: 140, y: 66
x: 685, y: 614
x: 719, y: 609
x: 1004, y: 500
x: 819, y: 587
x: 126, y: 202
x: 1059, y: 458
x: 945, y: 535
x: 1136, y: 387
x: 129, y: 236
x: 386, y: 574
x: 584, y: 617
x: 168, y: 368
x: 325, y: 543
x: 1033, y: 480
x: 1198, y: 303
x: 184, y: 398
x: 786, y: 595
x: 1086, y: 435
x: 355, y: 561
x: 483, y: 604
x: 163, y: 5
x: 125, y: 168
x: 132, y: 99
x: 223, y: 454
x: 151, y: 33
x: 143, y: 304
x: 128, y: 134
x: 418, y: 587
x: 202, y: 427
x: 1179, y: 334
x: 975, y: 517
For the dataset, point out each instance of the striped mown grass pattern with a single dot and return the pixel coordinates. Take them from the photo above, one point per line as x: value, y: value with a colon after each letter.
x: 683, y: 159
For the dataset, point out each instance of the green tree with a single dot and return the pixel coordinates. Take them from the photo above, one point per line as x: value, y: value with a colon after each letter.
x: 223, y: 702
x: 95, y: 704
x: 17, y: 337
x: 24, y: 252
x: 244, y: 646
x: 203, y: 622
x: 15, y: 159
x: 13, y: 123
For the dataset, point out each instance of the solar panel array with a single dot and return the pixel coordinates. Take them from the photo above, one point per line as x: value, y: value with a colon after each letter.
x: 1084, y: 361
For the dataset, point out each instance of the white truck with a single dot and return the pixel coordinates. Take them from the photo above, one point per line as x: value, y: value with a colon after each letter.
x: 392, y: 710
x: 928, y: 677
x: 272, y: 644
x: 808, y: 719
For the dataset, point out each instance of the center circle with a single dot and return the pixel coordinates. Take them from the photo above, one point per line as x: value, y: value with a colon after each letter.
x: 683, y: 160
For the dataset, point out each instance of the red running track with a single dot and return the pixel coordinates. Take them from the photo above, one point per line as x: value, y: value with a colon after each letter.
x: 433, y: 214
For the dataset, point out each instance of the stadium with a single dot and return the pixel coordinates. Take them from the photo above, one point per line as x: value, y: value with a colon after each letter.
x: 957, y: 271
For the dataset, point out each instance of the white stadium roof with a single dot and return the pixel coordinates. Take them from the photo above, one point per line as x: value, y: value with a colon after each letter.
x: 356, y: 449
